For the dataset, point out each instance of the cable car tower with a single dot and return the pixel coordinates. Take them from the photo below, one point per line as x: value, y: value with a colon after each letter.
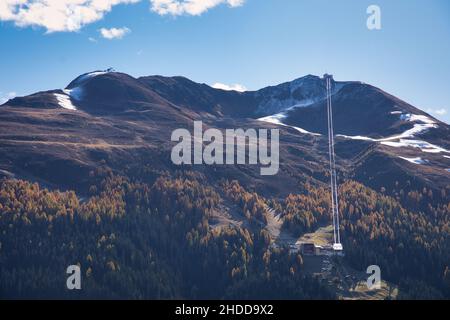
x: 337, y: 246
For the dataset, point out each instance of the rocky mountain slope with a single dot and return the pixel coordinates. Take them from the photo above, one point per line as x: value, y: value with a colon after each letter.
x: 58, y: 136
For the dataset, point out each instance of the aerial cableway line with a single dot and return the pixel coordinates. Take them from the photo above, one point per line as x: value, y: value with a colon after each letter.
x: 337, y: 246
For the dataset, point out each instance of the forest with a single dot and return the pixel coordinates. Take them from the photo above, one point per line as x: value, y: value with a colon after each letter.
x: 400, y: 230
x: 137, y: 240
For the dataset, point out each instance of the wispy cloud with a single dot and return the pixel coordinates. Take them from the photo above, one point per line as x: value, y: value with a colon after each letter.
x: 114, y: 33
x: 439, y: 112
x: 5, y: 97
x: 189, y: 7
x: 72, y: 15
x: 232, y: 87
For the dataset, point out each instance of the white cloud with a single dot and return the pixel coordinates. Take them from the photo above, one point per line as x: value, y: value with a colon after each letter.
x: 92, y: 39
x: 72, y: 15
x: 190, y: 7
x: 7, y: 96
x: 114, y: 33
x: 56, y: 15
x: 439, y: 112
x: 233, y: 87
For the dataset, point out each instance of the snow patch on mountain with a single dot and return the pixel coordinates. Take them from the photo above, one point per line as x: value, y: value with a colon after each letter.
x: 426, y: 124
x: 299, y: 93
x: 404, y: 139
x: 80, y: 81
x: 410, y: 133
x: 416, y: 117
x: 75, y: 88
x: 64, y: 101
x: 417, y: 160
x: 90, y: 75
x: 277, y: 119
x: 274, y: 104
x: 75, y: 93
x: 422, y: 145
x: 358, y: 138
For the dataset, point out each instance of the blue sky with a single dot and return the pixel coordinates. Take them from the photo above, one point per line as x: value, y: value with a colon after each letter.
x: 253, y: 43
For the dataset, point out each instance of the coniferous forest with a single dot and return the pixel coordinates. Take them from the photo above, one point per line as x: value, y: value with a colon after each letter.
x: 154, y: 240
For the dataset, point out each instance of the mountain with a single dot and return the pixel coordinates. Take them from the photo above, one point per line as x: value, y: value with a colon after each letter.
x: 88, y: 176
x: 115, y: 117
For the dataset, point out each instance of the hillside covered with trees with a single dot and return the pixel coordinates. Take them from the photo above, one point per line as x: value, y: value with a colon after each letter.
x: 154, y: 240
x: 133, y: 240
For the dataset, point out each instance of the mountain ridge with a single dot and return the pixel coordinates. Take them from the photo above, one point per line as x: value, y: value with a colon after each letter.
x: 122, y: 117
x: 164, y: 83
